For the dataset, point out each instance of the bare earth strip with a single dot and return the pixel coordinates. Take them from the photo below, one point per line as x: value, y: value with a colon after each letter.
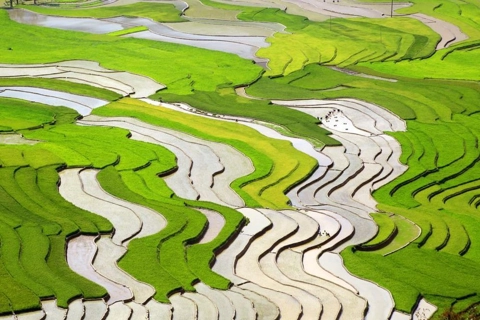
x: 206, y: 309
x: 247, y: 267
x: 95, y: 309
x: 118, y: 311
x: 76, y: 310
x: 312, y: 305
x: 105, y: 264
x: 224, y: 306
x: 15, y: 138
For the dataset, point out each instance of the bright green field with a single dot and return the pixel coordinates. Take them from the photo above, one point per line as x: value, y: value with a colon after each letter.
x: 433, y: 205
x: 155, y: 11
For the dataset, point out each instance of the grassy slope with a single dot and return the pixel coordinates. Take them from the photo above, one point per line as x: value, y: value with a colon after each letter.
x: 342, y: 42
x: 172, y: 63
x: 423, y: 101
x: 386, y: 226
x: 156, y: 11
x: 456, y: 61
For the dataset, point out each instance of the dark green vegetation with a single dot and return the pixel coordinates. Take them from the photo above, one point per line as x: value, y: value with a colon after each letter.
x: 439, y: 193
x: 35, y: 220
x: 150, y: 259
x: 131, y: 170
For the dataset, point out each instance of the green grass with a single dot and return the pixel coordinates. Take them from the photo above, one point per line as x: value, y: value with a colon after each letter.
x: 102, y: 146
x: 155, y: 254
x: 173, y: 63
x: 455, y: 61
x: 386, y: 228
x: 422, y: 100
x: 128, y: 31
x: 407, y: 274
x: 16, y: 288
x: 439, y: 148
x: 462, y: 14
x: 29, y: 222
x: 341, y: 41
x: 61, y: 85
x: 19, y: 114
x: 168, y: 250
x: 156, y: 11
x: 407, y: 232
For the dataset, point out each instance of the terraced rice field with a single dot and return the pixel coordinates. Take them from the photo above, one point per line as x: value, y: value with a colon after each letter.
x: 249, y: 159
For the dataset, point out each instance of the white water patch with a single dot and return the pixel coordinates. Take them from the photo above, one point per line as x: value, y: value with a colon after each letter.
x: 243, y: 50
x: 244, y: 46
x: 347, y: 8
x: 81, y: 251
x: 448, y: 32
x: 89, y: 25
x: 380, y: 301
x: 424, y: 310
x: 86, y: 72
x: 82, y: 104
x: 227, y: 27
x: 52, y: 311
x: 206, y: 168
x: 216, y: 222
x: 359, y: 126
x: 336, y: 120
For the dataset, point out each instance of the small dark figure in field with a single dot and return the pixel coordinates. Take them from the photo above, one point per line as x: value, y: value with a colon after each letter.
x: 472, y: 313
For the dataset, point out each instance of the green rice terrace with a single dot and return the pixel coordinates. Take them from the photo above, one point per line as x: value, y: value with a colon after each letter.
x: 239, y: 159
